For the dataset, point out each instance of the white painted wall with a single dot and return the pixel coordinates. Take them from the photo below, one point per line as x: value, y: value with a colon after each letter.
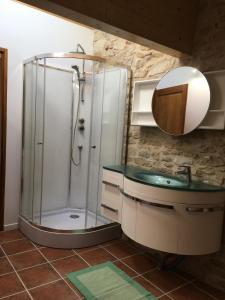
x: 27, y: 32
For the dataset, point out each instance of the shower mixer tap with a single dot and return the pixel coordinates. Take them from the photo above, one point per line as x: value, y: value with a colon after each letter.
x: 81, y: 121
x: 82, y: 78
x: 81, y: 127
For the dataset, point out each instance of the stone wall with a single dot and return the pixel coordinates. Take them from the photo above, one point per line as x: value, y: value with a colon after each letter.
x: 203, y: 150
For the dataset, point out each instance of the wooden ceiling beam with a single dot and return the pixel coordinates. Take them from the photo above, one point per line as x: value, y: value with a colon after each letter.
x: 165, y: 25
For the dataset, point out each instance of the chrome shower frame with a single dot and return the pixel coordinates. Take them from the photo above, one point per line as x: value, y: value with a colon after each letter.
x: 65, y: 55
x: 56, y: 237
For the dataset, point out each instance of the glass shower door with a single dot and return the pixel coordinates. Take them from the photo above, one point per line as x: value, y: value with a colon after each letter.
x: 26, y: 207
x: 46, y: 140
x: 57, y: 193
x: 34, y: 97
x: 56, y: 173
x: 106, y: 132
x: 95, y: 148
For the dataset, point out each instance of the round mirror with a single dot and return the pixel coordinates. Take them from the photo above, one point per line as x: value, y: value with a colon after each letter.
x: 181, y: 101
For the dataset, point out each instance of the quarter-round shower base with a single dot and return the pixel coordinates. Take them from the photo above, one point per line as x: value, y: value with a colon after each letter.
x: 70, y: 219
x: 66, y: 239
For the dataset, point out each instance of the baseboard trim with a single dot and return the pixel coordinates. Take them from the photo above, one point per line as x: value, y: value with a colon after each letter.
x: 8, y: 227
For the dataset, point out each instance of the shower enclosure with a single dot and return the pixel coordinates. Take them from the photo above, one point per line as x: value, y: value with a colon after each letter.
x: 73, y: 124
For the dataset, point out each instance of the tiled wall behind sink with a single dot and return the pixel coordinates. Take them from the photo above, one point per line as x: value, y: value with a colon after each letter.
x: 204, y: 150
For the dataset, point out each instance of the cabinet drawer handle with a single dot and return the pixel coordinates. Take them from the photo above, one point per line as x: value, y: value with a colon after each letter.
x: 109, y: 208
x: 111, y: 184
x: 155, y: 204
x: 159, y: 205
x: 128, y: 196
x: 203, y: 209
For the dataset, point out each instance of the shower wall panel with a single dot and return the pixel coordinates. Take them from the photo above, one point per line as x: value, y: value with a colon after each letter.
x: 79, y: 174
x: 56, y: 139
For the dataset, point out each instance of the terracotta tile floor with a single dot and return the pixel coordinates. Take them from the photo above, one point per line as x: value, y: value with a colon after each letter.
x: 29, y: 271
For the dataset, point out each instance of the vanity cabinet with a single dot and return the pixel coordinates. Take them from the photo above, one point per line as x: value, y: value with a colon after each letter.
x: 175, y: 221
x: 111, y: 204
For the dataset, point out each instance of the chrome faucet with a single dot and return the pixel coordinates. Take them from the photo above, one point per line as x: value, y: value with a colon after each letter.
x: 186, y: 171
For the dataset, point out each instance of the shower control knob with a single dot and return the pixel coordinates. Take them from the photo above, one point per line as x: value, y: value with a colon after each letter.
x: 93, y: 146
x: 81, y: 121
x: 81, y: 127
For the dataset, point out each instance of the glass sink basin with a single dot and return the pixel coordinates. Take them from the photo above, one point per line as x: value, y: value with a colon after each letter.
x: 160, y: 180
x: 163, y: 180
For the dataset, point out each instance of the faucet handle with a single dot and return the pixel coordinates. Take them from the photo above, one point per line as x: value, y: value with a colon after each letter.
x: 185, y: 166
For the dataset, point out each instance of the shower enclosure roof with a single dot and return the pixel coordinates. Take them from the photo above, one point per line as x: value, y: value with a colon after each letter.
x: 65, y: 55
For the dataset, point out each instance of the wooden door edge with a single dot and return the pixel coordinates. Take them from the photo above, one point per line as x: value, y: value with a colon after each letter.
x: 3, y: 119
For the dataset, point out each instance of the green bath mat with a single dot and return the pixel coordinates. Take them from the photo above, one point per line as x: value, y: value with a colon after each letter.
x: 107, y: 282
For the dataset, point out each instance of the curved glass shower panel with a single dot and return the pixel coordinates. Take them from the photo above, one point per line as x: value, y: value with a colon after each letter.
x: 73, y: 125
x: 57, y: 118
x: 26, y: 207
x: 107, y: 131
x: 32, y: 140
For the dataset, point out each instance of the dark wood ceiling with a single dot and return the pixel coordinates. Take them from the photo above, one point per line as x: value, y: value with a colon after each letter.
x: 166, y: 25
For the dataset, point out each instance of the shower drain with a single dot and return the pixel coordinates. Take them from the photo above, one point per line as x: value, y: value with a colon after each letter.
x: 74, y: 216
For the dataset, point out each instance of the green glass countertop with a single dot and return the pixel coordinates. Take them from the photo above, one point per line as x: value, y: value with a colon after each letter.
x: 163, y: 180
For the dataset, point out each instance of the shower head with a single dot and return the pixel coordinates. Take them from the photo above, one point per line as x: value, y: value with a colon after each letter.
x: 79, y: 49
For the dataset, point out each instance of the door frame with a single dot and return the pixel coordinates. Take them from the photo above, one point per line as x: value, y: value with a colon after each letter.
x: 3, y: 120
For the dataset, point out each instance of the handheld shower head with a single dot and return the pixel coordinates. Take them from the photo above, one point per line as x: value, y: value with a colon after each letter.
x: 76, y: 68
x: 80, y: 78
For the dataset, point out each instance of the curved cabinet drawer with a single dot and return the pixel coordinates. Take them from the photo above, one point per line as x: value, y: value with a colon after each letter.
x: 129, y: 212
x: 157, y: 226
x: 200, y: 229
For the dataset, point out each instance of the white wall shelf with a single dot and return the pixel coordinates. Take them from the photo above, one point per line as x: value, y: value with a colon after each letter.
x: 215, y: 118
x: 141, y: 114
